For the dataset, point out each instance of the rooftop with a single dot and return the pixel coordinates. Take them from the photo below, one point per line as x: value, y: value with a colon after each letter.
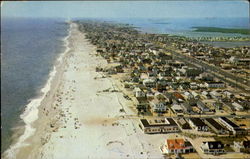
x: 214, y: 123
x: 229, y: 122
x: 158, y: 122
x: 214, y: 144
x: 198, y: 122
x: 175, y: 144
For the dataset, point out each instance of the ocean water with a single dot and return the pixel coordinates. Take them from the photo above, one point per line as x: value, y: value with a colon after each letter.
x: 29, y: 49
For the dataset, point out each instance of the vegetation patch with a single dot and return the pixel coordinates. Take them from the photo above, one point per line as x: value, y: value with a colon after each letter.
x: 222, y: 30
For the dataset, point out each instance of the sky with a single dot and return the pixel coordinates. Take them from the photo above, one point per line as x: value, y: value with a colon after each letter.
x: 125, y: 9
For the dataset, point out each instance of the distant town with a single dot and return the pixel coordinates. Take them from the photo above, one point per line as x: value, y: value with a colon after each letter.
x: 179, y: 85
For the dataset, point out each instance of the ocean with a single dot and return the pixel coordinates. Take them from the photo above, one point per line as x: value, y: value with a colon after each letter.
x: 29, y: 49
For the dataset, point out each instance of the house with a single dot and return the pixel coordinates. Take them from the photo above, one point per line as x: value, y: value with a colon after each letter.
x: 213, y: 84
x: 215, y: 126
x: 193, y: 86
x: 202, y: 107
x: 183, y: 124
x: 178, y: 97
x: 167, y: 125
x: 187, y: 95
x: 175, y: 146
x: 243, y: 146
x: 237, y: 106
x: 141, y: 104
x: 184, y: 86
x: 177, y: 109
x: 212, y: 147
x: 150, y: 82
x: 158, y: 106
x: 150, y: 95
x: 218, y: 105
x: 187, y: 107
x: 192, y: 72
x: 198, y: 124
x: 234, y: 128
x: 161, y: 85
x: 139, y: 93
x: 206, y: 94
x: 195, y: 95
x: 215, y: 95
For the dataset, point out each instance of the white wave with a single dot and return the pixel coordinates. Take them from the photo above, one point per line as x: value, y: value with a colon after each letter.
x: 31, y: 111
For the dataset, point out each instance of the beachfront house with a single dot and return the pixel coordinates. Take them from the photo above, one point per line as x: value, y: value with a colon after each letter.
x: 243, y: 146
x: 139, y: 93
x: 212, y: 147
x: 176, y: 146
x: 159, y: 125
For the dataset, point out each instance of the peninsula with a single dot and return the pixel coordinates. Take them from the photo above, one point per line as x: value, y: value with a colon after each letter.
x: 119, y: 93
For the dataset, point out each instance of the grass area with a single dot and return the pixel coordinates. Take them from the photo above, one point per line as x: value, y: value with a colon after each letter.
x: 222, y: 30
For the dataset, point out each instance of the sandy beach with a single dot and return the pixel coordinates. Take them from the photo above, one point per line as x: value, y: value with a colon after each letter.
x: 78, y: 120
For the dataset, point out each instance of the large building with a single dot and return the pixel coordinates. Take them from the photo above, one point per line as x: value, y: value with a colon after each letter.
x: 163, y: 125
x: 234, y: 128
x: 215, y: 126
x: 176, y: 146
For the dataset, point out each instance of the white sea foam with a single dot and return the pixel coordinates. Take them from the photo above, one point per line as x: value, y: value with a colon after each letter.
x: 31, y: 110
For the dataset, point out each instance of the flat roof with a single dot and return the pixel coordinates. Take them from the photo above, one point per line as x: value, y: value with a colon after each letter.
x: 162, y: 122
x: 197, y: 121
x: 229, y: 122
x: 214, y: 123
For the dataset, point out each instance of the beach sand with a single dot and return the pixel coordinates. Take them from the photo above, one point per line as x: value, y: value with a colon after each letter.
x: 77, y: 120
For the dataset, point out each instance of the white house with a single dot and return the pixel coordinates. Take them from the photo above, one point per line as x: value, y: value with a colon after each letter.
x: 158, y: 105
x: 139, y: 93
x: 237, y: 106
x: 212, y: 147
x: 149, y: 82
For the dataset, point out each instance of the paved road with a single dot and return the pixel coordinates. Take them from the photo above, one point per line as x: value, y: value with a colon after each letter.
x: 217, y: 72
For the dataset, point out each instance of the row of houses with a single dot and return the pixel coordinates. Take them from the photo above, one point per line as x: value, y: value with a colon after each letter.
x: 223, y: 126
x: 182, y: 146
